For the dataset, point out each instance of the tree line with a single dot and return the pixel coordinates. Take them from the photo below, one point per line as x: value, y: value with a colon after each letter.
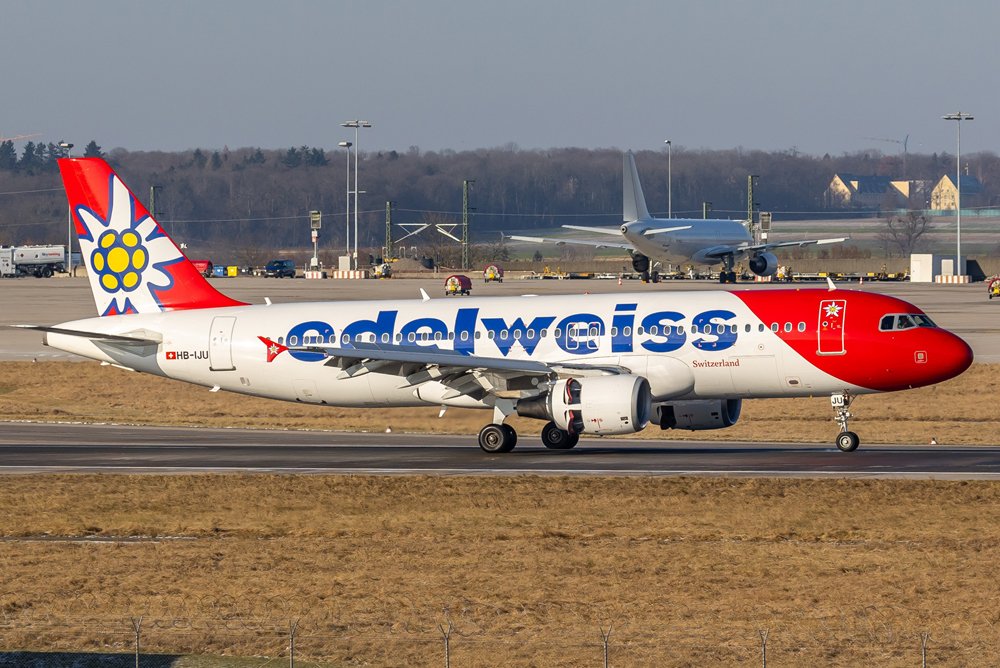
x: 260, y: 198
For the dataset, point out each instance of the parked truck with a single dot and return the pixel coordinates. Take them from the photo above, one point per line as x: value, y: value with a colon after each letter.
x: 39, y: 261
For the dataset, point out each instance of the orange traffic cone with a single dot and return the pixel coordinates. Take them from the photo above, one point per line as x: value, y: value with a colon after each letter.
x: 619, y: 279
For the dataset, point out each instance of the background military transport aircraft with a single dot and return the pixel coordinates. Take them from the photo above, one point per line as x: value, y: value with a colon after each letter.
x: 584, y: 364
x: 679, y: 240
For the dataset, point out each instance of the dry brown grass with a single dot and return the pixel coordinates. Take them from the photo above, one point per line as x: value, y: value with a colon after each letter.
x: 959, y: 411
x: 842, y: 572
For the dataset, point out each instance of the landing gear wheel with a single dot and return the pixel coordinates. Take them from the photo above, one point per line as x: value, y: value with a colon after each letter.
x: 848, y: 441
x: 644, y: 276
x: 555, y: 438
x: 495, y: 438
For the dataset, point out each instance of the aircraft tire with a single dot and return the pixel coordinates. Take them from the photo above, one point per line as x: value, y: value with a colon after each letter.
x: 555, y: 438
x: 511, y: 435
x: 495, y: 438
x: 848, y: 441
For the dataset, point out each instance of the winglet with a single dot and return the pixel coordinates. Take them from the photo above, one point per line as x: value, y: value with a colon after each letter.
x: 424, y: 297
x: 830, y: 286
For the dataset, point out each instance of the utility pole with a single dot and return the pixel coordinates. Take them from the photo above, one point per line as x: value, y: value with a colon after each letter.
x: 751, y: 205
x: 465, y: 222
x: 387, y: 253
x: 152, y: 200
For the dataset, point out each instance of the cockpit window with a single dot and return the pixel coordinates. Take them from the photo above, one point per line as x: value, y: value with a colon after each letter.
x: 900, y: 321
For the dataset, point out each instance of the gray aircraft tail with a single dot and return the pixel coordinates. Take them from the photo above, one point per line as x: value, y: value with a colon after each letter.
x: 634, y: 203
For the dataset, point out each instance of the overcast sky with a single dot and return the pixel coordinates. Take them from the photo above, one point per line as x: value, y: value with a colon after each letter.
x: 811, y: 76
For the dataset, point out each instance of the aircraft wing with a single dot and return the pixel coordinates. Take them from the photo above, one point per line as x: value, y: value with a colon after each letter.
x: 463, y: 374
x: 787, y: 244
x: 140, y: 338
x: 574, y: 242
x: 721, y: 251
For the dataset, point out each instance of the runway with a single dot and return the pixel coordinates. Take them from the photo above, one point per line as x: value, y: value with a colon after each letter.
x: 76, y: 448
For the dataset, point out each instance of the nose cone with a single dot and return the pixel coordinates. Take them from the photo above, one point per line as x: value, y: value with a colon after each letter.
x: 946, y: 356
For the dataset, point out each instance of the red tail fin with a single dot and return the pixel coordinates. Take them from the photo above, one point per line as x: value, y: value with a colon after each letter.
x: 134, y: 267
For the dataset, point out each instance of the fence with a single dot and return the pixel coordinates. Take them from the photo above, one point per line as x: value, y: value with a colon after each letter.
x: 154, y: 642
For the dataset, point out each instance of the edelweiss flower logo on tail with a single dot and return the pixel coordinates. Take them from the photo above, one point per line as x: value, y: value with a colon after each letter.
x: 127, y: 257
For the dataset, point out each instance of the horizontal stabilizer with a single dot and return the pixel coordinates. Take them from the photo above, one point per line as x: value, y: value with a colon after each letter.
x: 613, y: 231
x: 147, y: 338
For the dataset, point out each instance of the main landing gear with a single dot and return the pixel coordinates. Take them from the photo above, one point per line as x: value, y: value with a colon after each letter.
x: 847, y: 441
x: 496, y: 438
x: 728, y: 274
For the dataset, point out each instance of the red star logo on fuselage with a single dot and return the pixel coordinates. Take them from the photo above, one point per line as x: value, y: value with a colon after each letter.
x: 273, y: 348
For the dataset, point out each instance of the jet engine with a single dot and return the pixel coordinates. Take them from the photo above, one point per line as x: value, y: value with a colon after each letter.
x: 698, y: 414
x: 593, y: 405
x: 764, y: 264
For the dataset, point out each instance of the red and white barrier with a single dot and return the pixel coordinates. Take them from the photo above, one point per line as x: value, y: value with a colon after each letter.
x: 952, y: 279
x: 353, y: 273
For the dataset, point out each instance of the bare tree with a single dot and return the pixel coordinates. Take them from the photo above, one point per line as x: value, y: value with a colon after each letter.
x: 904, y: 232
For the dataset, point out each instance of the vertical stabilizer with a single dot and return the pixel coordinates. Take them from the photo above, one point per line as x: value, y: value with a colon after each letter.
x: 133, y: 266
x: 634, y: 203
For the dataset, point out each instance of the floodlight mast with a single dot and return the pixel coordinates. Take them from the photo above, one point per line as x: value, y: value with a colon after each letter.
x: 356, y: 124
x: 347, y: 219
x: 959, y: 117
x: 68, y: 148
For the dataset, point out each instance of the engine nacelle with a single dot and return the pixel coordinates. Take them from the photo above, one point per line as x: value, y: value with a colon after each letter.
x: 764, y: 264
x: 594, y: 405
x: 698, y: 414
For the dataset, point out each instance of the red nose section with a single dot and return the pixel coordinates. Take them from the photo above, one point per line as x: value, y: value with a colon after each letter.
x: 945, y: 357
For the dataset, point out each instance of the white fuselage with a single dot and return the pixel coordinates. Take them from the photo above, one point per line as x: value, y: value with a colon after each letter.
x: 715, y: 346
x: 698, y: 244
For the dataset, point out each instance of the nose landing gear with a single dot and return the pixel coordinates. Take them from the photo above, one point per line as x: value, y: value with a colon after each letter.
x: 847, y: 440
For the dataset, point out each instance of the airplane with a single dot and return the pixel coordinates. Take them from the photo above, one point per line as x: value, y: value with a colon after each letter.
x: 581, y: 364
x: 679, y: 240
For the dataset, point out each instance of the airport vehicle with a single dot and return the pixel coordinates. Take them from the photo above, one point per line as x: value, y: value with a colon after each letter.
x: 679, y: 240
x: 493, y: 272
x: 582, y: 364
x: 39, y: 261
x: 993, y: 286
x: 457, y: 284
x: 280, y: 269
x: 204, y: 267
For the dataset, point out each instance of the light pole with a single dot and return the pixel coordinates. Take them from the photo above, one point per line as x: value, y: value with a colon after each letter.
x: 66, y: 146
x: 958, y: 116
x: 347, y: 220
x: 356, y: 124
x: 670, y: 182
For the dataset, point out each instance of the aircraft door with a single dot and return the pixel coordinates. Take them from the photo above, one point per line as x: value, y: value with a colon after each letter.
x: 830, y: 329
x: 220, y: 344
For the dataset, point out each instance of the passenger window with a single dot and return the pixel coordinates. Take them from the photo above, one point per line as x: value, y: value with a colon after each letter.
x: 399, y: 337
x: 490, y: 335
x: 478, y: 335
x: 292, y: 340
x: 530, y: 334
x: 746, y: 328
x: 788, y: 326
x: 654, y: 330
x: 760, y: 327
x: 640, y: 331
x: 411, y: 337
x: 802, y: 326
x: 774, y: 327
